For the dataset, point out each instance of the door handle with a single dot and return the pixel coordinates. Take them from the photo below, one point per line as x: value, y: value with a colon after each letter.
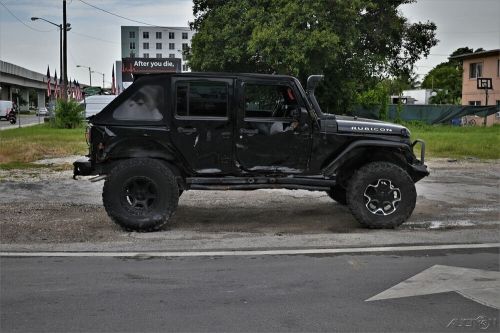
x: 249, y: 131
x: 226, y: 135
x: 188, y: 130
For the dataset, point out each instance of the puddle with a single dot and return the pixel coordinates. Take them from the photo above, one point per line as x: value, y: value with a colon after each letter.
x: 442, y: 225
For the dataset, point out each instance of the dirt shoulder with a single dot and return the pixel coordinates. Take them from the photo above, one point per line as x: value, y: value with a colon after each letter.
x: 43, y: 209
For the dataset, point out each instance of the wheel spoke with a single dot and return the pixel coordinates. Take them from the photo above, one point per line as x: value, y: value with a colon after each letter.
x: 381, y: 197
x: 139, y: 194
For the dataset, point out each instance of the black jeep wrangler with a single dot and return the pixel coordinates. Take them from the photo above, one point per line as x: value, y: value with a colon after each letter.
x: 168, y: 133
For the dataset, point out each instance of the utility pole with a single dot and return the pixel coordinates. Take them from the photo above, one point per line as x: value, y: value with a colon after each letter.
x: 65, y: 54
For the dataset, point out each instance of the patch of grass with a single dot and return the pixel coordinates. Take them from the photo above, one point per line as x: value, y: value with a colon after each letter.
x: 458, y: 142
x: 20, y: 165
x: 28, y: 144
x: 27, y: 165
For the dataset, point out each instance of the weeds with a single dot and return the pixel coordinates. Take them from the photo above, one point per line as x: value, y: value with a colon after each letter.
x: 458, y: 142
x: 28, y: 144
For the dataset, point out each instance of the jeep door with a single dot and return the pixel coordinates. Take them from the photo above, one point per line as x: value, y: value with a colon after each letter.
x: 201, y: 129
x: 269, y: 137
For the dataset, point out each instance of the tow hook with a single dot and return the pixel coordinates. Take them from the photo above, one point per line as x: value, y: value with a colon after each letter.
x: 97, y: 178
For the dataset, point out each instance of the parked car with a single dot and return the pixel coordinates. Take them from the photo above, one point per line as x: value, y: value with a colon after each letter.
x: 168, y: 133
x: 42, y: 112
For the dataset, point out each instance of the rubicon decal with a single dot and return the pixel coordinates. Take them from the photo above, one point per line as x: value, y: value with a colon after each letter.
x: 371, y: 129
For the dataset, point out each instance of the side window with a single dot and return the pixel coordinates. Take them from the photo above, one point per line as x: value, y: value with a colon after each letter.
x: 272, y: 101
x: 144, y: 104
x: 201, y: 99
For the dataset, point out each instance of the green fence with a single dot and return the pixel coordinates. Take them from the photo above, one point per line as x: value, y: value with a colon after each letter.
x: 430, y: 114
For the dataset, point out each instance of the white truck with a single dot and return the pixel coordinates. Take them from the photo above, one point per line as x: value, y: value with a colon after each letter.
x: 7, y: 111
x: 94, y: 104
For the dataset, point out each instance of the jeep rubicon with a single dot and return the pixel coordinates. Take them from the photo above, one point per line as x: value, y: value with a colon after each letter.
x: 172, y: 132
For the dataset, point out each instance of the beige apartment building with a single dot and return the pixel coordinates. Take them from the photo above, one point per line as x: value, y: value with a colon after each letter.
x: 485, y: 64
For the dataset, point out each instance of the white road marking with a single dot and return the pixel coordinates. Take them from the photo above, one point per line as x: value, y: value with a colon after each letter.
x: 476, y: 284
x: 250, y: 252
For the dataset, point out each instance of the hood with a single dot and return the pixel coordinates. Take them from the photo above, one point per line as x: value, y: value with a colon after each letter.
x: 369, y: 126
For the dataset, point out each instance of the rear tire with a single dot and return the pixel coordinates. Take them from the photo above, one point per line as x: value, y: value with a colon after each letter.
x: 381, y: 195
x: 140, y: 194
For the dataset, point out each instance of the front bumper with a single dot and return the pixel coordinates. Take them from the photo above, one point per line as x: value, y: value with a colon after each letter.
x: 82, y: 167
x: 422, y: 149
x: 419, y: 169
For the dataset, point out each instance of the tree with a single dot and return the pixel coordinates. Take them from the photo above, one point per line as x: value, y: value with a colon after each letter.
x: 354, y: 43
x: 446, y: 79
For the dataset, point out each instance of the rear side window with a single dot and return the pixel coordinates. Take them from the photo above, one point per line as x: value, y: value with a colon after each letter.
x: 201, y: 99
x: 145, y: 104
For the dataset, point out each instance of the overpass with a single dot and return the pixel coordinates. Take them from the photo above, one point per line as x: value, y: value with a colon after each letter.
x: 19, y: 80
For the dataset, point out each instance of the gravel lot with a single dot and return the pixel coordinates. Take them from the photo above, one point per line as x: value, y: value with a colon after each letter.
x: 47, y: 210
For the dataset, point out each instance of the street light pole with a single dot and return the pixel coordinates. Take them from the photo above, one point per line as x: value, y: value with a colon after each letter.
x: 62, y: 71
x: 90, y: 73
x: 102, y: 77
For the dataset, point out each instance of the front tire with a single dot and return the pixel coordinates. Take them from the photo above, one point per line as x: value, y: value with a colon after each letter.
x: 140, y: 194
x: 381, y: 195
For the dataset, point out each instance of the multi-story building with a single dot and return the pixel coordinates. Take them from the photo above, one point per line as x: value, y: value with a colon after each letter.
x: 156, y: 42
x: 484, y: 64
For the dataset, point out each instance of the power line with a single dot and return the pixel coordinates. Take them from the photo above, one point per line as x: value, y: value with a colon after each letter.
x: 92, y: 37
x: 17, y: 18
x: 123, y: 17
x: 469, y: 32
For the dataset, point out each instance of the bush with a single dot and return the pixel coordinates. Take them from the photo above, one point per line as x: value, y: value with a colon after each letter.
x: 68, y: 114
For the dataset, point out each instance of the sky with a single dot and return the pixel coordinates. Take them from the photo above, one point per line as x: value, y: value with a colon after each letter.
x: 94, y: 39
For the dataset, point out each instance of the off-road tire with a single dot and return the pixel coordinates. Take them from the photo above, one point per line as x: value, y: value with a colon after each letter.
x: 160, y: 183
x: 370, y: 174
x: 339, y: 194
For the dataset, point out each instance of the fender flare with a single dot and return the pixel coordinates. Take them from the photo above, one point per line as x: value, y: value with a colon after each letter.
x: 138, y: 148
x: 349, y: 152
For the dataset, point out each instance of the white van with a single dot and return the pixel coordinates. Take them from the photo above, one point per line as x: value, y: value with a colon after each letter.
x: 94, y: 104
x: 5, y: 108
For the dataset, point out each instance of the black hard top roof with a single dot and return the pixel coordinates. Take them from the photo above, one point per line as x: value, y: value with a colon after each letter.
x: 220, y: 74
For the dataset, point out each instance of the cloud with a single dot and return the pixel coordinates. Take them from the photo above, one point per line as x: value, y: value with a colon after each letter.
x: 34, y: 50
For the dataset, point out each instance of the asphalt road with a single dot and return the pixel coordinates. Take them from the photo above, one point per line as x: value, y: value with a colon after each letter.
x: 26, y: 120
x: 241, y: 294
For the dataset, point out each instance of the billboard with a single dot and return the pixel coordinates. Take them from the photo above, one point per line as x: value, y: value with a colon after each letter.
x: 131, y: 66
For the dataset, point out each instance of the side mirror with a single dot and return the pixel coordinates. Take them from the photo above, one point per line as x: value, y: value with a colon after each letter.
x: 299, y: 114
x: 304, y: 116
x: 295, y: 114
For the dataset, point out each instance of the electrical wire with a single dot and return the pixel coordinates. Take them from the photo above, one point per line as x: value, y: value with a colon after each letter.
x: 469, y: 32
x: 92, y: 37
x: 17, y: 18
x: 125, y: 18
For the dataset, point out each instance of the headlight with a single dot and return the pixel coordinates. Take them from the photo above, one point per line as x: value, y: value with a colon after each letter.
x: 405, y: 132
